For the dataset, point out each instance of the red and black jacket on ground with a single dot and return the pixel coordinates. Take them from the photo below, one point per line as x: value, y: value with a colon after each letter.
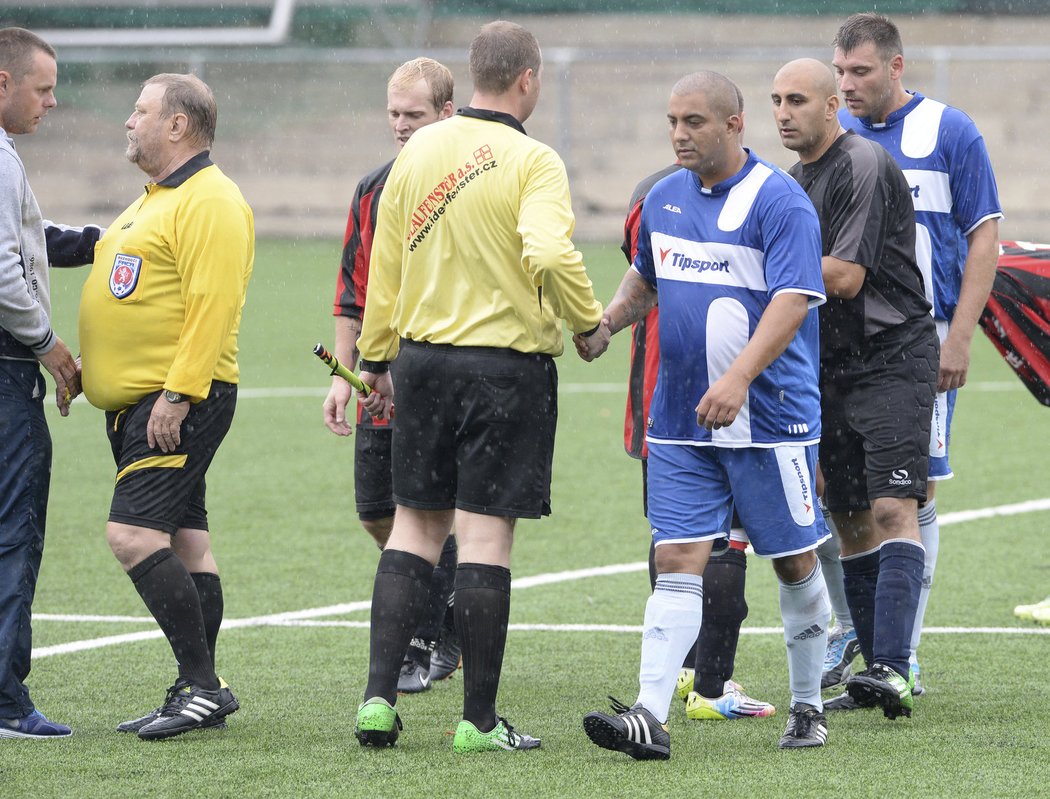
x: 1017, y: 316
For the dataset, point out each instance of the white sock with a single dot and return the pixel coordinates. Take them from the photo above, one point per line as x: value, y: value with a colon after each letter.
x: 672, y: 617
x: 930, y: 532
x: 829, y: 553
x: 805, y: 609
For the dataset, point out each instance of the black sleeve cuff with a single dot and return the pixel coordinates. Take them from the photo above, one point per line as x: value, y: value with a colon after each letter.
x: 592, y: 331
x: 375, y: 367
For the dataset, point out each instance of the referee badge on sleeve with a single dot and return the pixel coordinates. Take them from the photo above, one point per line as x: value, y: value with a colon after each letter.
x: 124, y: 276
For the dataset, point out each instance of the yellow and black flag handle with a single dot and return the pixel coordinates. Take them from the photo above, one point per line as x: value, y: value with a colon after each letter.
x: 338, y: 369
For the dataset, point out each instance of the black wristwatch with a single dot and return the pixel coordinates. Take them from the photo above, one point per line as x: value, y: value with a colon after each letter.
x: 174, y: 397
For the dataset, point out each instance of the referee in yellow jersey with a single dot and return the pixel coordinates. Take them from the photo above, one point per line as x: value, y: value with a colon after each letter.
x: 159, y: 318
x: 472, y: 272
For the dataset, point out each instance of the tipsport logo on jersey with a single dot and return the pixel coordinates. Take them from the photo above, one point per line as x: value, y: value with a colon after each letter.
x: 679, y: 260
x: 710, y: 262
x: 429, y: 212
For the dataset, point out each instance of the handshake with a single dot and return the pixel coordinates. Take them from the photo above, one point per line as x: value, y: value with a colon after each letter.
x: 592, y: 346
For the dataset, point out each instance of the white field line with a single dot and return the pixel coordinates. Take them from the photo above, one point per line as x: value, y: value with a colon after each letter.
x: 315, y: 391
x: 637, y: 629
x: 308, y: 616
x: 564, y: 388
x: 299, y: 392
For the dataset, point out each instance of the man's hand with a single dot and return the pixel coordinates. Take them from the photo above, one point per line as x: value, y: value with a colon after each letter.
x: 59, y: 362
x: 74, y: 388
x: 594, y: 345
x: 335, y: 407
x: 380, y: 400
x: 955, y: 363
x: 719, y: 407
x: 164, y: 428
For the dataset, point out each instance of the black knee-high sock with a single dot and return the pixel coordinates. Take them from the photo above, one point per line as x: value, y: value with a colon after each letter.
x: 170, y: 595
x: 426, y: 635
x: 482, y: 615
x: 209, y: 589
x: 652, y: 566
x: 860, y: 577
x: 398, y: 598
x: 725, y: 609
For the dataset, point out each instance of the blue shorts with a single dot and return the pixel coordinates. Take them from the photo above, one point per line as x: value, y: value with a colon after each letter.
x: 941, y: 434
x: 692, y: 492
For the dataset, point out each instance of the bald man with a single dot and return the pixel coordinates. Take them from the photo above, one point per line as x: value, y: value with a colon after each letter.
x: 878, y: 367
x: 728, y: 244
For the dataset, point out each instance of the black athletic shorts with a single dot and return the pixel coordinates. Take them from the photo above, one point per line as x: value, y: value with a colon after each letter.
x: 876, y: 411
x: 373, y: 484
x: 475, y: 429
x: 165, y: 491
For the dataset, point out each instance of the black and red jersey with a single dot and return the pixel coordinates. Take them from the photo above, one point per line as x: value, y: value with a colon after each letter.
x: 645, y: 342
x: 352, y: 285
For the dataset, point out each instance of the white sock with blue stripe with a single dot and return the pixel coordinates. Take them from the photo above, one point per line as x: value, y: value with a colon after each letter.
x: 672, y: 618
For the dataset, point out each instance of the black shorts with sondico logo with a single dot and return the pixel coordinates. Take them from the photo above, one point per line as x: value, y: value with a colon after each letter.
x: 876, y: 411
x: 475, y: 429
x: 165, y: 491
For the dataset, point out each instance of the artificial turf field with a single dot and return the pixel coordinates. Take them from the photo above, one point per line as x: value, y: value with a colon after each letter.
x: 297, y: 574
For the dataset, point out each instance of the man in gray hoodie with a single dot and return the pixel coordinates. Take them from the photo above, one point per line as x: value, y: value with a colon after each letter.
x: 28, y: 72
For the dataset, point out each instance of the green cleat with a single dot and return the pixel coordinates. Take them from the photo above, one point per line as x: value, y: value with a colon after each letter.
x: 1028, y: 612
x: 882, y: 686
x: 502, y: 737
x: 684, y: 684
x: 377, y: 723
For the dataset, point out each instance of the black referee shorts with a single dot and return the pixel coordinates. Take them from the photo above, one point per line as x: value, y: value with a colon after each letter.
x: 475, y: 429
x: 373, y: 482
x: 875, y: 420
x: 165, y: 491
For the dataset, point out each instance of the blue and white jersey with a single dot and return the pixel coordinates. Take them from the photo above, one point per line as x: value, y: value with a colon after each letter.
x: 717, y: 257
x: 944, y: 159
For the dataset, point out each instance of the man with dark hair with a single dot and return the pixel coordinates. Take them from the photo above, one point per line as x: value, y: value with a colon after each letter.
x: 705, y: 681
x: 878, y: 372
x: 472, y: 270
x: 419, y: 93
x: 957, y: 214
x: 28, y: 246
x: 159, y: 318
x: 729, y: 245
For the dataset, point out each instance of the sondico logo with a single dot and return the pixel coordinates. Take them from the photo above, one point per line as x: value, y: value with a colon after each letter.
x: 900, y: 477
x: 684, y: 262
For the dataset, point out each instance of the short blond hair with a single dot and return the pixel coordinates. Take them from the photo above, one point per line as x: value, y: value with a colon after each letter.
x: 437, y: 76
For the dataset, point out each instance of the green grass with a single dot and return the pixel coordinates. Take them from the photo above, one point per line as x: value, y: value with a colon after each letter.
x: 287, y: 539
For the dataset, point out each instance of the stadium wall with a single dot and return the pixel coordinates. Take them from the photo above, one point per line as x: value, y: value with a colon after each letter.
x: 299, y: 126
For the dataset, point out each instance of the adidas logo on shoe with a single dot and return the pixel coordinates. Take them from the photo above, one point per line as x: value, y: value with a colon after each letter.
x: 191, y: 708
x: 810, y: 632
x: 632, y: 730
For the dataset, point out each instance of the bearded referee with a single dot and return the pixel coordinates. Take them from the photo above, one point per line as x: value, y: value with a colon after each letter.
x: 159, y: 318
x: 473, y: 270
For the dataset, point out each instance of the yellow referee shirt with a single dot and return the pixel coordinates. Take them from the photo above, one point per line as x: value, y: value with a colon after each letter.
x: 472, y: 244
x: 162, y: 305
